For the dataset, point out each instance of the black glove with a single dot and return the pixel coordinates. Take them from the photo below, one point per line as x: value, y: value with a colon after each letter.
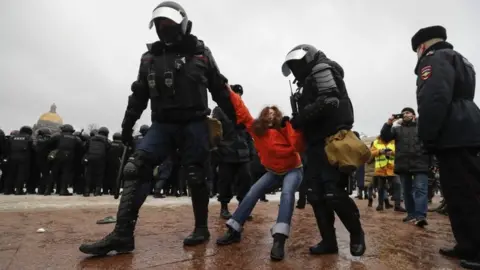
x: 296, y: 121
x: 127, y: 136
x: 285, y: 119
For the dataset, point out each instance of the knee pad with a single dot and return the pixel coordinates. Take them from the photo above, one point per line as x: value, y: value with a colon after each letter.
x: 194, y: 175
x: 139, y: 166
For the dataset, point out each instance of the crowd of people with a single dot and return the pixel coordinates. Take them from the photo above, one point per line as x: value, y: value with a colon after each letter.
x: 314, y: 150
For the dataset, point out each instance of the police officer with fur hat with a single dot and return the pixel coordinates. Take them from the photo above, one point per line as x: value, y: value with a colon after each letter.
x: 448, y: 126
x: 174, y: 76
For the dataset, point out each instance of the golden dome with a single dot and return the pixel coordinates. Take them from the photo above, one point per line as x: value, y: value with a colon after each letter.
x: 51, y: 116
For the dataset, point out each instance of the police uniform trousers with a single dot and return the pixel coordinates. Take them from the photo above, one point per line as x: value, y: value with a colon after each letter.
x: 227, y: 174
x: 63, y: 171
x: 44, y: 168
x: 326, y: 192
x: 96, y: 168
x: 460, y: 182
x: 161, y: 140
x: 18, y: 175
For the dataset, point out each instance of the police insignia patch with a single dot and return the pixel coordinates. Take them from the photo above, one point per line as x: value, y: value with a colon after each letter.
x: 426, y: 72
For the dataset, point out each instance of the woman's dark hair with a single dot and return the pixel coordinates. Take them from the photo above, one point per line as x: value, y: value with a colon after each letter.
x: 262, y: 124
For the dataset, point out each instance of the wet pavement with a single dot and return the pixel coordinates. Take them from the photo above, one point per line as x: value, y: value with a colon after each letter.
x: 161, y: 229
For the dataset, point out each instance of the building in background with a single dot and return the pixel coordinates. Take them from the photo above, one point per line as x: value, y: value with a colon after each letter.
x: 50, y: 120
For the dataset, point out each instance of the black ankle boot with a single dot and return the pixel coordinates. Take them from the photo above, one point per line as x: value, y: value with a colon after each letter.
x: 224, y: 213
x: 278, y: 249
x: 357, y: 244
x: 231, y: 236
x: 197, y: 237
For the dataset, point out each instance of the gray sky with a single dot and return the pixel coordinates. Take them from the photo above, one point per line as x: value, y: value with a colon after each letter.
x: 84, y: 55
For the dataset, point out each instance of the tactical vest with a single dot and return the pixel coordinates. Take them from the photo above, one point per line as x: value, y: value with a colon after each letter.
x: 381, y: 161
x: 177, y: 81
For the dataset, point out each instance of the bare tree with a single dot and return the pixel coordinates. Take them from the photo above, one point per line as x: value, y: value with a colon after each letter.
x: 91, y: 127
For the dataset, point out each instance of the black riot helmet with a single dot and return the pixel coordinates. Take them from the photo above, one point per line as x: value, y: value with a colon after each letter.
x: 85, y: 137
x: 93, y: 132
x: 26, y: 130
x: 14, y: 133
x: 67, y: 128
x: 103, y: 131
x: 171, y: 22
x: 2, y: 133
x: 117, y: 136
x: 300, y: 60
x: 77, y: 133
x: 44, y: 132
x: 237, y: 88
x: 144, y: 129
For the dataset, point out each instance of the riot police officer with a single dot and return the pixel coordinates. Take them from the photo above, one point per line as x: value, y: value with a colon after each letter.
x: 234, y: 155
x: 138, y: 138
x: 324, y: 108
x: 41, y: 153
x: 68, y: 147
x: 96, y: 161
x: 174, y: 75
x: 20, y: 160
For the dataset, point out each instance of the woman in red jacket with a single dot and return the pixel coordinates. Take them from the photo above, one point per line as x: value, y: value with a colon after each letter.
x: 277, y: 144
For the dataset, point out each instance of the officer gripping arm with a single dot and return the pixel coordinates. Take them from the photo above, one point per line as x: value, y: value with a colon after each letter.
x: 137, y: 101
x: 435, y: 82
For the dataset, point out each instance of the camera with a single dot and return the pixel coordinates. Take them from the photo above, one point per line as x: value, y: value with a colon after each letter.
x: 398, y: 115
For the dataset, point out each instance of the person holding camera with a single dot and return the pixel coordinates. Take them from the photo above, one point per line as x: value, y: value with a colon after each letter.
x: 411, y: 164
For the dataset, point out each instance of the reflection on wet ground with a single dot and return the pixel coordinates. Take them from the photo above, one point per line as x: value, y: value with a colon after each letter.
x: 160, y: 232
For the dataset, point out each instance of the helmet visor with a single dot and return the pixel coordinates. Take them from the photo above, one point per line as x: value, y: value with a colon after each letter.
x: 293, y: 55
x: 168, y: 13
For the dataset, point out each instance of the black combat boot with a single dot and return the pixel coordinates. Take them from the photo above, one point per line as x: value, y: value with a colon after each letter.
x: 65, y: 192
x: 370, y: 202
x: 224, y: 213
x: 229, y: 237
x: 200, y: 201
x: 278, y: 249
x: 157, y: 193
x: 98, y: 191
x: 325, y: 221
x: 121, y: 239
x: 348, y: 213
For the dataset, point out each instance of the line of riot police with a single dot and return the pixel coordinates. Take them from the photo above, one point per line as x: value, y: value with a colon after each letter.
x: 45, y: 163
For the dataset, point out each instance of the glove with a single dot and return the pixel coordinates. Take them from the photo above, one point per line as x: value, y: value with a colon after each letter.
x: 284, y: 121
x: 296, y: 121
x: 127, y: 136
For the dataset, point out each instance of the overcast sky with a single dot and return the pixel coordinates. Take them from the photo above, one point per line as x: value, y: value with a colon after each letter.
x: 84, y: 55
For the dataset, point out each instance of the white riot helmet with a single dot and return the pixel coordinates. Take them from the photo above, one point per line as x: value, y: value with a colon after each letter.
x: 171, y: 22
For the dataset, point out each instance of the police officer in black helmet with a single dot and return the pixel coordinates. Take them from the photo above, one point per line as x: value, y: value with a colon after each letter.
x: 174, y: 75
x: 97, y: 149
x: 324, y: 108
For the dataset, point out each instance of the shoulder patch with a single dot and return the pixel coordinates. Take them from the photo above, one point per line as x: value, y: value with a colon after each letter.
x: 426, y: 72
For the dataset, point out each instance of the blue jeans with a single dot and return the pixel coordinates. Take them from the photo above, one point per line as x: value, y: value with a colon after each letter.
x: 291, y: 182
x: 415, y: 187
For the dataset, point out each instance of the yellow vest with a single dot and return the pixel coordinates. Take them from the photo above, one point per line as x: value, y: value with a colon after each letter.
x: 381, y: 161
